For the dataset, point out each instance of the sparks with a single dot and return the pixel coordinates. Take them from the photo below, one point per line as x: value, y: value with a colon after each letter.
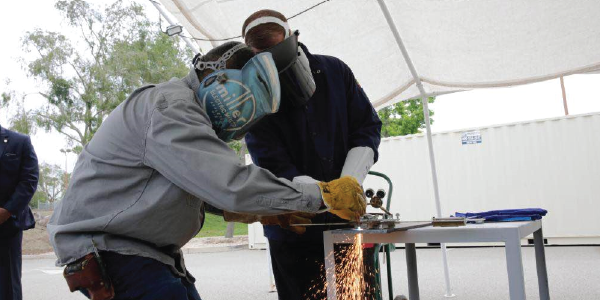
x: 350, y: 274
x: 350, y: 280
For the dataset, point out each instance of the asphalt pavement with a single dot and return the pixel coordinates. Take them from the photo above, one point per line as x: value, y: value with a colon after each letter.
x: 476, y: 273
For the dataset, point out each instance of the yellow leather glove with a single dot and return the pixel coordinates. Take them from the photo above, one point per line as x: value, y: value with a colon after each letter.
x: 284, y: 220
x: 344, y: 197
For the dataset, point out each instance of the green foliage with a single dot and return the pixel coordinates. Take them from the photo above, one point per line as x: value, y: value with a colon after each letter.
x: 20, y: 119
x: 23, y: 122
x: 403, y: 118
x: 52, y: 183
x: 239, y: 147
x: 216, y: 226
x: 5, y: 99
x: 37, y: 199
x: 84, y: 76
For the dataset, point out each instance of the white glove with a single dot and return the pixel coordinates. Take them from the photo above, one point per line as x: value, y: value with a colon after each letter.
x: 358, y: 163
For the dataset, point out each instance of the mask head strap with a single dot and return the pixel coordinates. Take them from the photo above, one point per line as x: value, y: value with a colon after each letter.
x: 265, y: 20
x: 221, y: 63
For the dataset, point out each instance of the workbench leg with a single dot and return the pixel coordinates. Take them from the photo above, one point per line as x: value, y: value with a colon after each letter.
x: 411, y: 267
x: 514, y: 264
x: 329, y: 265
x: 389, y: 272
x: 540, y: 263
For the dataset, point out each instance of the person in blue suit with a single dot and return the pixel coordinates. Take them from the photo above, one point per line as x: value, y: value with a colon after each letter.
x: 18, y: 182
x: 326, y: 128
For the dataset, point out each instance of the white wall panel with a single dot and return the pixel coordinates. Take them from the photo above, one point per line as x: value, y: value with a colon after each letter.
x: 552, y: 163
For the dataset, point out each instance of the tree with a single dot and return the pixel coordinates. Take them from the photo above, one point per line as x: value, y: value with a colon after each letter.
x: 403, y: 118
x: 5, y: 99
x: 115, y: 50
x: 52, y: 184
x: 22, y: 120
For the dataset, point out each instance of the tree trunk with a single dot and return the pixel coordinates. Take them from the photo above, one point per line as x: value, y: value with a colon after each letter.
x: 229, y: 231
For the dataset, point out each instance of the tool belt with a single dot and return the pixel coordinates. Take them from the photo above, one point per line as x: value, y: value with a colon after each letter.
x: 89, y: 273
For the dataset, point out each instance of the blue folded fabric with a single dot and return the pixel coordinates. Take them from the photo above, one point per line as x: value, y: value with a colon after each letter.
x: 506, y: 215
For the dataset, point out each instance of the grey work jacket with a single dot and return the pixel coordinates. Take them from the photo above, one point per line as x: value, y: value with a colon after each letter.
x: 139, y: 186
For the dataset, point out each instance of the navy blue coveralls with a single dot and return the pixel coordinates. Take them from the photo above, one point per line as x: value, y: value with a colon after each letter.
x: 312, y: 140
x: 18, y: 182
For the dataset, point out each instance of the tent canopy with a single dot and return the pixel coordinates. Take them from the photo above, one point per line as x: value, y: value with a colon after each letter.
x: 454, y: 44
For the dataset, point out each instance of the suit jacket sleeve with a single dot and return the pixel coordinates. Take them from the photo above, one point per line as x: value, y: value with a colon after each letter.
x: 27, y: 182
x: 363, y: 121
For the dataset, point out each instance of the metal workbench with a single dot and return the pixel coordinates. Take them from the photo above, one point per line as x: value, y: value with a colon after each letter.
x: 510, y: 233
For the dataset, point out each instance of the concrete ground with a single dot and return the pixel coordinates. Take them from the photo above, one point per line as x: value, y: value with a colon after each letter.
x: 476, y: 273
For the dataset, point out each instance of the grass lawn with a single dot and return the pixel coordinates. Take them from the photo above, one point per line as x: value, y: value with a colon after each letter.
x: 216, y: 226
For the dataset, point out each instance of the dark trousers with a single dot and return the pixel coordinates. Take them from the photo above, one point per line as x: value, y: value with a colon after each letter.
x: 10, y: 267
x: 299, y: 269
x: 141, y: 278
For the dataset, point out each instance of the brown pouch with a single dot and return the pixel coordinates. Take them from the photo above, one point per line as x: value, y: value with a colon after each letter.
x: 88, y: 273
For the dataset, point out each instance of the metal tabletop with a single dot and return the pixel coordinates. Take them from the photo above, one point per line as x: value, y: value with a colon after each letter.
x: 509, y: 233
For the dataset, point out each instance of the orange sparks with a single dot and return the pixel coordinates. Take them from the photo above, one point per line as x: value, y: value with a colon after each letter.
x: 350, y: 274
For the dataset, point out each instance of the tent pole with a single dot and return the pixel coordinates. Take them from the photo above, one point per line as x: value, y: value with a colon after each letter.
x: 425, y: 101
x: 564, y: 95
x: 165, y: 15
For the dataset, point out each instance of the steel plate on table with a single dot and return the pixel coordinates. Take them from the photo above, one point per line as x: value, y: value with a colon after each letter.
x: 400, y: 226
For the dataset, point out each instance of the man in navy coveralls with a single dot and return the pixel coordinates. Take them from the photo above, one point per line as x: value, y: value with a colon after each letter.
x: 320, y: 134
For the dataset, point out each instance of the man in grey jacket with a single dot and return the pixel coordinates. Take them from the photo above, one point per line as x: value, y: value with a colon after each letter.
x: 139, y: 188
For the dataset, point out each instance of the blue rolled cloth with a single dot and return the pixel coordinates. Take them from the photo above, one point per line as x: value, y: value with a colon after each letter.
x: 506, y: 215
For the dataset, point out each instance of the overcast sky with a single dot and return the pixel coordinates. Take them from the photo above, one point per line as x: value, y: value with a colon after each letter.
x: 455, y: 111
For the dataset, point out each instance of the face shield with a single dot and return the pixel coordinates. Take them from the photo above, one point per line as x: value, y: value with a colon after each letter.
x: 295, y: 76
x: 236, y: 99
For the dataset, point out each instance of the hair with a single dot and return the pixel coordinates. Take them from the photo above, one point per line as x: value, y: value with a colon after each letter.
x: 263, y: 36
x: 237, y: 60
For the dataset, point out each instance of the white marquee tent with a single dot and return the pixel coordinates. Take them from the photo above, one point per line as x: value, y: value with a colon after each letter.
x: 454, y: 44
x: 403, y: 49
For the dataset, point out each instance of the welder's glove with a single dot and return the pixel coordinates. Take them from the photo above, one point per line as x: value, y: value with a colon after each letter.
x: 287, y: 220
x: 344, y: 197
x: 240, y: 218
x: 284, y: 220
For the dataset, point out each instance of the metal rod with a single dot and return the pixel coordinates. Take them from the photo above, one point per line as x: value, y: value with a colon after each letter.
x: 411, y: 268
x: 564, y: 95
x: 387, y: 247
x: 424, y: 99
x: 540, y: 263
x: 167, y: 17
x: 389, y: 271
